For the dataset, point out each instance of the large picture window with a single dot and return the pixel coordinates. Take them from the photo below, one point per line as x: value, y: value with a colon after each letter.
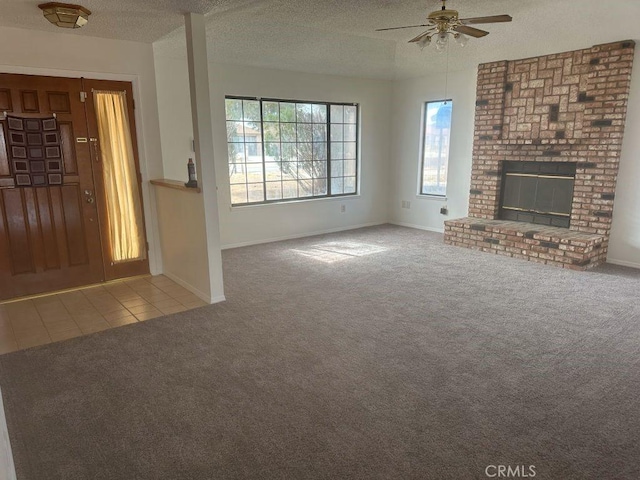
x: 283, y: 150
x: 435, y: 147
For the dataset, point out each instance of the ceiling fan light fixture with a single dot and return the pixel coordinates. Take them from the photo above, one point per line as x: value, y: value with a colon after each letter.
x: 65, y: 15
x: 425, y: 42
x: 442, y: 41
x: 461, y: 39
x: 444, y: 23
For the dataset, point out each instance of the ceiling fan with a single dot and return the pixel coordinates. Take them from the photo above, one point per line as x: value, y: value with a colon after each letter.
x: 444, y: 22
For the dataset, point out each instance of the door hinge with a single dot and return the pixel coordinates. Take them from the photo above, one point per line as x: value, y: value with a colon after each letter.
x: 147, y: 246
x: 133, y: 103
x: 83, y: 96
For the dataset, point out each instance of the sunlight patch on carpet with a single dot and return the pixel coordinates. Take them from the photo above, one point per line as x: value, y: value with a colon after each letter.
x: 330, y: 252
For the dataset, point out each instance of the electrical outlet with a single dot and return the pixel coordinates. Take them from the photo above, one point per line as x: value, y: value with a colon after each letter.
x: 406, y: 204
x: 444, y: 210
x: 343, y: 208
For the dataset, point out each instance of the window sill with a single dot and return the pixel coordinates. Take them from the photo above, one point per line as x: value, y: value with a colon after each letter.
x: 431, y: 197
x: 294, y: 202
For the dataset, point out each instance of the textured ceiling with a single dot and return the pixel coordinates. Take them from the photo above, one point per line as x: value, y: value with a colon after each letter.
x: 137, y: 20
x: 339, y: 37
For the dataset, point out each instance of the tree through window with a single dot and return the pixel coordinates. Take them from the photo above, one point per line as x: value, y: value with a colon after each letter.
x: 281, y: 150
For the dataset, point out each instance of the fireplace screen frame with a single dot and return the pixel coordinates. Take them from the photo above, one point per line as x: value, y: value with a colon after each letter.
x: 542, y: 171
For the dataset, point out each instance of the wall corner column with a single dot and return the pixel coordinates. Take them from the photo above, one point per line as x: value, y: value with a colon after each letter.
x: 203, y: 140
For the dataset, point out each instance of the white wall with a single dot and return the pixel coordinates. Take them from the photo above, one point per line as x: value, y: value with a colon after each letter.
x: 624, y: 245
x: 184, y: 239
x: 408, y: 101
x: 408, y: 98
x: 253, y: 224
x: 59, y: 54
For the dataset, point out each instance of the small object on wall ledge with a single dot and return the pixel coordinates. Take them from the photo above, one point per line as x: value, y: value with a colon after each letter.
x: 191, y: 169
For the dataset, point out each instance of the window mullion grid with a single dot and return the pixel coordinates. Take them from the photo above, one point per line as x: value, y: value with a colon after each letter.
x: 297, y: 156
x: 357, y: 124
x: 264, y: 167
x: 245, y: 165
x: 280, y: 143
x: 328, y: 150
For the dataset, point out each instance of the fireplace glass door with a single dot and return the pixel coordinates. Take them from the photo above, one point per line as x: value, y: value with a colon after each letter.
x: 538, y: 192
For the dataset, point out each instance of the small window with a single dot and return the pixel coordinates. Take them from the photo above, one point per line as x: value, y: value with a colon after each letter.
x: 435, y: 147
x: 280, y: 150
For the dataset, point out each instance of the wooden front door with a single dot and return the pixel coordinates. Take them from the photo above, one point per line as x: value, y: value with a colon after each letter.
x: 50, y: 205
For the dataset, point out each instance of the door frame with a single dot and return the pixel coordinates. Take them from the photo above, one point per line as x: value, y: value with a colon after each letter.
x: 149, y: 205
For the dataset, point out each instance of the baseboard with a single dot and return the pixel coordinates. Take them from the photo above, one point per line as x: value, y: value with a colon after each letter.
x: 219, y: 299
x: 7, y: 468
x: 419, y: 227
x: 623, y: 263
x: 200, y: 294
x: 302, y: 235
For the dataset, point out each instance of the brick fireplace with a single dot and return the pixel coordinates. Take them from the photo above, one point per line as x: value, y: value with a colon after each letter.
x: 567, y: 108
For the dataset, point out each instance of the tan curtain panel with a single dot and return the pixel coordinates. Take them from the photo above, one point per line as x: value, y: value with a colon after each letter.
x: 124, y: 211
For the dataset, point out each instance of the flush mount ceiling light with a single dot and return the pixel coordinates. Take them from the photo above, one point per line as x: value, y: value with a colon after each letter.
x: 65, y: 15
x: 445, y: 23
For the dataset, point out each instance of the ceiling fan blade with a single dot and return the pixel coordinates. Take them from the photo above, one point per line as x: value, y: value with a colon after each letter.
x: 398, y: 28
x: 472, y: 32
x: 421, y: 36
x: 493, y: 19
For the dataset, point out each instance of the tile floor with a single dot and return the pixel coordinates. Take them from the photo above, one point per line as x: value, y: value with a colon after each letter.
x: 31, y: 322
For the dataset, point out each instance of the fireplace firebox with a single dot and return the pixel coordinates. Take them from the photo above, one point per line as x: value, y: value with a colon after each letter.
x: 537, y: 192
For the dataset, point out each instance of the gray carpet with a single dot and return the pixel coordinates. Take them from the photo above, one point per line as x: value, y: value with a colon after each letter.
x: 373, y: 354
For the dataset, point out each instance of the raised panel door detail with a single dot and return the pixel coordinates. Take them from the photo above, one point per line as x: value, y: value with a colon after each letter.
x: 74, y: 225
x: 68, y: 144
x: 30, y: 103
x: 17, y: 228
x: 47, y: 226
x: 6, y: 104
x: 59, y: 102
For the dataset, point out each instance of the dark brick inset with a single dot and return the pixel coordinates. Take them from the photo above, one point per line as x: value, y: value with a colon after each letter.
x: 560, y: 134
x: 583, y: 97
x: 530, y: 234
x: 602, y: 123
x: 586, y: 165
x: 608, y: 196
x: 508, y: 87
x: 482, y: 103
x: 603, y: 214
x: 594, y: 61
x: 550, y: 244
x: 479, y: 228
x: 497, y: 127
x: 493, y: 241
x: 474, y: 191
x: 554, y: 110
x: 552, y: 153
x: 486, y: 137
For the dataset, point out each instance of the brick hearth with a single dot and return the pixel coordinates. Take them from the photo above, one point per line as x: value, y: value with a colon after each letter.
x: 567, y: 107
